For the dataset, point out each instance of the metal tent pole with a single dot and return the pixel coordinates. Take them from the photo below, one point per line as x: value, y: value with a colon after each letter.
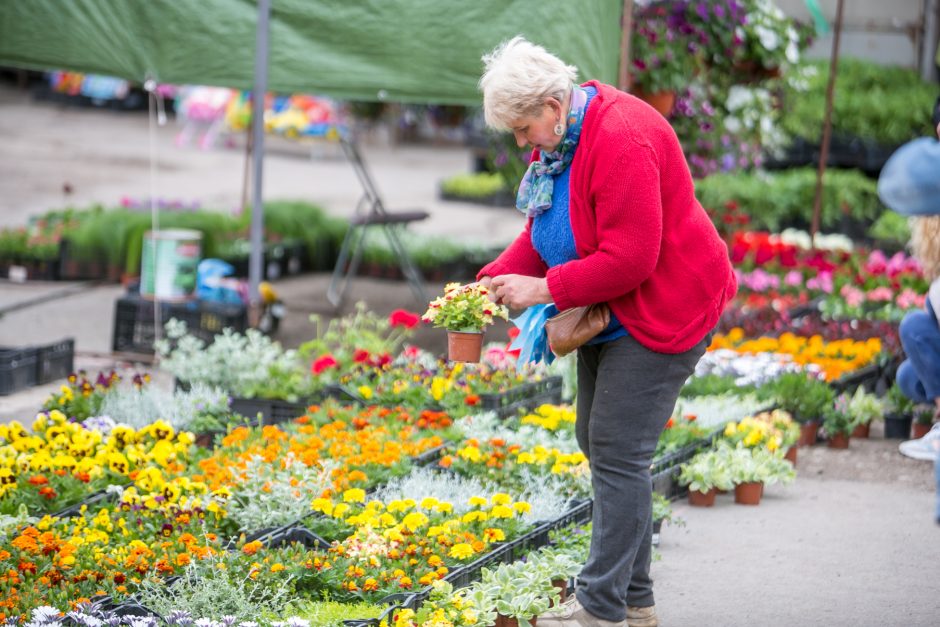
x: 827, y: 124
x: 624, y: 81
x: 257, y: 134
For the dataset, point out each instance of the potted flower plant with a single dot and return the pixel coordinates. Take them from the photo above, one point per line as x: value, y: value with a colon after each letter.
x: 464, y: 310
x: 662, y: 513
x: 923, y: 415
x: 753, y: 468
x: 864, y: 407
x: 519, y: 593
x: 705, y: 474
x: 558, y: 566
x: 898, y: 413
x: 662, y: 61
x: 806, y: 398
x: 839, y: 423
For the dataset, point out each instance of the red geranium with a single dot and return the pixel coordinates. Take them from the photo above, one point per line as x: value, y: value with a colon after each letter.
x: 402, y: 318
x: 361, y: 356
x: 323, y: 363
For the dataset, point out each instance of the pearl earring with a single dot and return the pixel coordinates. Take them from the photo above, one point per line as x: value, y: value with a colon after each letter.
x: 559, y: 129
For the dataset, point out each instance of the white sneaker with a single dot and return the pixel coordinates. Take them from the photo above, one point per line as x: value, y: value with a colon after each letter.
x: 926, y: 448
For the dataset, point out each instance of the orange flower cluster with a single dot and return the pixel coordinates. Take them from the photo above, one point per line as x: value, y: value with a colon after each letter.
x: 834, y: 359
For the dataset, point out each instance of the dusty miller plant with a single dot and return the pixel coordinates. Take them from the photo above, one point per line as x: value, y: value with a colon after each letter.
x: 274, y: 494
x: 218, y: 585
x: 246, y: 365
x: 187, y: 410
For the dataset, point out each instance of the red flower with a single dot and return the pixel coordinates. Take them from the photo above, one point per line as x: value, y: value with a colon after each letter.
x: 402, y: 318
x: 361, y: 356
x: 383, y: 360
x: 323, y: 363
x: 472, y: 399
x: 513, y: 333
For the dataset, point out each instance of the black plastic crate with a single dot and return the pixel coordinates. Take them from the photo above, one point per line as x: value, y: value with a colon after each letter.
x: 55, y: 361
x: 686, y: 453
x: 519, y: 394
x: 93, y: 500
x: 134, y: 321
x: 273, y: 411
x: 17, y: 369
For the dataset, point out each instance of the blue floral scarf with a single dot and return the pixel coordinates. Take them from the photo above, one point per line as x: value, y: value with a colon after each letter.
x: 535, y: 190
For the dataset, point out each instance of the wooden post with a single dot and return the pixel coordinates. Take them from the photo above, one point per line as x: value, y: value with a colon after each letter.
x: 624, y: 81
x: 827, y: 124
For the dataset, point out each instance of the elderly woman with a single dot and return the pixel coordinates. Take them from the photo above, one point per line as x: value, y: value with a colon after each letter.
x: 611, y: 218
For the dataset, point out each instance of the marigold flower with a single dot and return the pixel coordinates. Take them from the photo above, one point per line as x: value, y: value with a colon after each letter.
x: 461, y: 551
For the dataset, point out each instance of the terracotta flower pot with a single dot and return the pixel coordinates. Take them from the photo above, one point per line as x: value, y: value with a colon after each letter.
x: 505, y: 621
x: 838, y: 440
x: 790, y: 455
x: 464, y: 346
x: 748, y: 493
x: 808, y: 433
x: 919, y: 430
x: 702, y: 499
x: 562, y: 585
x: 662, y: 101
x: 861, y: 431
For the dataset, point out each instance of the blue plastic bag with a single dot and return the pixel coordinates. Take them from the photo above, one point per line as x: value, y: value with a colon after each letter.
x: 532, y: 341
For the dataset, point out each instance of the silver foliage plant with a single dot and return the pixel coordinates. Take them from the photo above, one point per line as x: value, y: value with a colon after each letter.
x: 240, y: 364
x: 138, y: 408
x: 214, y: 587
x: 547, y: 504
x: 274, y: 494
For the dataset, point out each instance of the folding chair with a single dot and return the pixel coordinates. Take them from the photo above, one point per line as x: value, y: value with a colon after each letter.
x: 371, y: 211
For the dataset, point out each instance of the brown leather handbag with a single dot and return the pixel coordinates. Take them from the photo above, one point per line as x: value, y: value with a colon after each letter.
x: 574, y: 327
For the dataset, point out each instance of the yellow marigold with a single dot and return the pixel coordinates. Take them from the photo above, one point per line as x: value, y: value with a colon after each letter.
x: 461, y: 551
x: 354, y: 495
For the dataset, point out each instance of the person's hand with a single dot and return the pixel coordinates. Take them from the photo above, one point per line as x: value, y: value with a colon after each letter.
x: 519, y: 291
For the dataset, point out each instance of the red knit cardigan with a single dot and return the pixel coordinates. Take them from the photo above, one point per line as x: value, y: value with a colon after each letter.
x: 645, y: 244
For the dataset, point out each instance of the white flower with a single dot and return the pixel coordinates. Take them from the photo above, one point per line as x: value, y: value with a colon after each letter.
x: 768, y: 38
x: 732, y: 124
x: 793, y: 53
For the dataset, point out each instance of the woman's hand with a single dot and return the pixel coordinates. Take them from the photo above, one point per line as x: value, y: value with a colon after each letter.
x: 519, y: 291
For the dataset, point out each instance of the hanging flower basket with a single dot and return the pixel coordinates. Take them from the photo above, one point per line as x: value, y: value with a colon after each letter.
x: 463, y: 346
x: 662, y: 101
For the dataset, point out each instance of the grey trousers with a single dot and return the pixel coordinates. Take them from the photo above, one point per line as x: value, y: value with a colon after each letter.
x: 626, y: 394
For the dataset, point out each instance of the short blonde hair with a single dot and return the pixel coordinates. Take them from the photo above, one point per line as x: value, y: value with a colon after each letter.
x: 518, y: 77
x: 925, y: 244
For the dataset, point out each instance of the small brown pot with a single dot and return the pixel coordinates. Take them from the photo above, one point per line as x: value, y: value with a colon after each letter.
x: 702, y: 499
x: 562, y: 585
x: 748, y: 493
x: 808, y: 433
x: 790, y: 455
x: 464, y: 346
x: 505, y: 621
x: 662, y: 101
x: 861, y: 430
x: 919, y: 430
x: 838, y: 440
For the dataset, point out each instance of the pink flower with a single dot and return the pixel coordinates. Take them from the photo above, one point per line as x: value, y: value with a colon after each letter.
x: 881, y: 294
x: 853, y: 296
x: 908, y: 299
x: 821, y: 282
x: 877, y: 263
x: 793, y: 278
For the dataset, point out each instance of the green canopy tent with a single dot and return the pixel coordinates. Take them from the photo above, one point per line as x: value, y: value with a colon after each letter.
x: 418, y: 51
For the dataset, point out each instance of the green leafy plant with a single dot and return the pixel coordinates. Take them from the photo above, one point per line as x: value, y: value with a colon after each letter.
x: 518, y: 590
x: 838, y: 419
x: 474, y: 186
x: 705, y: 471
x: 865, y: 407
x: 890, y: 105
x: 757, y: 464
x: 804, y: 396
x: 896, y: 402
x: 924, y: 413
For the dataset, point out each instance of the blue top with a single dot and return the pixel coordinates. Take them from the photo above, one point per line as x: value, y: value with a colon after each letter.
x: 553, y: 239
